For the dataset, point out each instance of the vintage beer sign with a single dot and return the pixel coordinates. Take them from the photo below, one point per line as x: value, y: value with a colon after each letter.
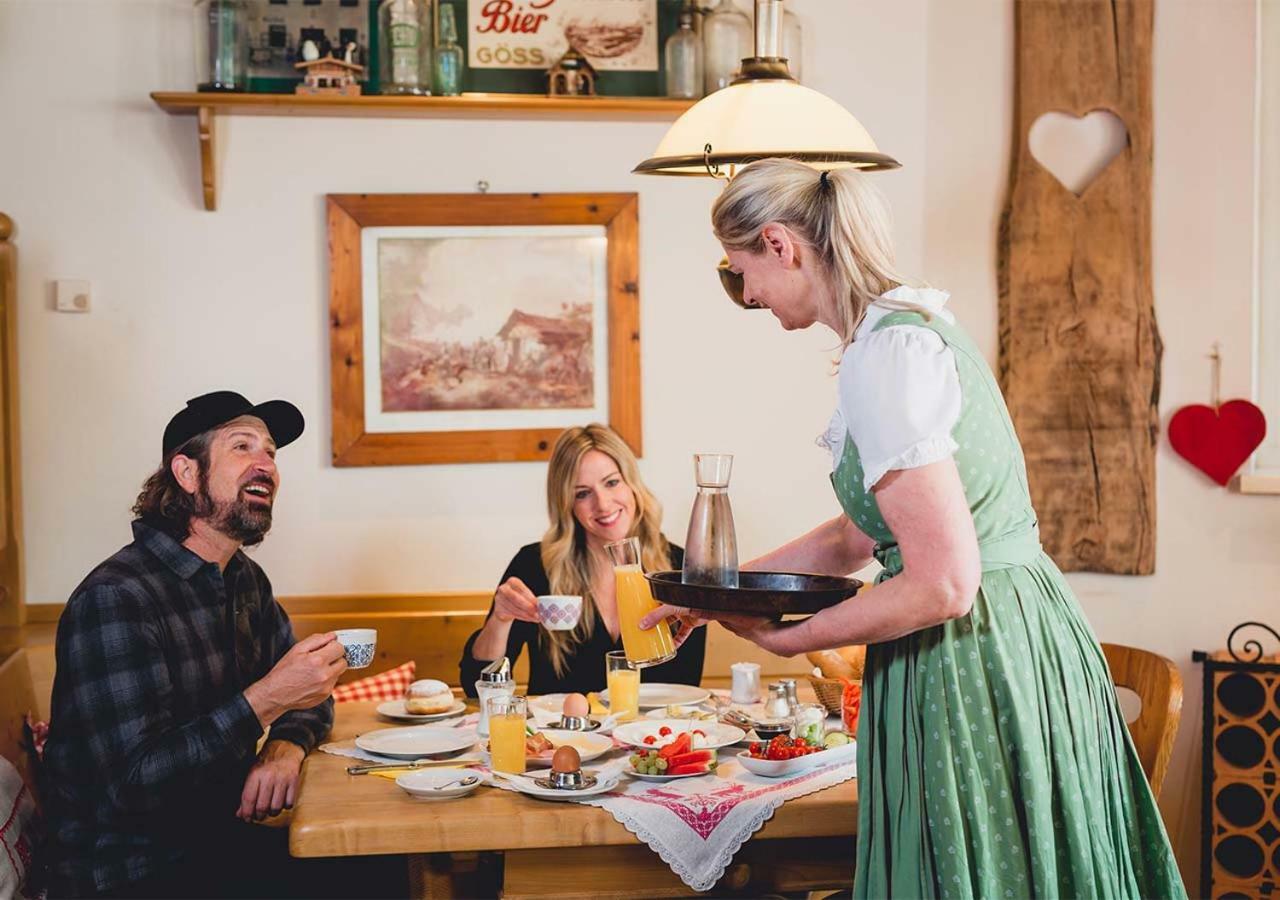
x: 616, y: 35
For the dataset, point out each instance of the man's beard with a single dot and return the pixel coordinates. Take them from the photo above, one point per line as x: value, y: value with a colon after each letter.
x: 239, y: 519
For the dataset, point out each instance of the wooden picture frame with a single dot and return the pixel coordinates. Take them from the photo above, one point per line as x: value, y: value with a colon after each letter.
x: 354, y: 444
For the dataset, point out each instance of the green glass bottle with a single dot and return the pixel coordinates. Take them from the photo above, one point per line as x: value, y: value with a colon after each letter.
x: 448, y: 62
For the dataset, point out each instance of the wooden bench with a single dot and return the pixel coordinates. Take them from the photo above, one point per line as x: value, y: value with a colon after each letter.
x: 430, y: 629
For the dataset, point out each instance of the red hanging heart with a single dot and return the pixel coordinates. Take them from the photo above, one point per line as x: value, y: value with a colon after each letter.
x: 1217, y: 442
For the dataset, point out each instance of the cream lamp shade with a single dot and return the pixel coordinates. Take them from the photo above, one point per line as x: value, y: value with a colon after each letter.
x: 764, y: 113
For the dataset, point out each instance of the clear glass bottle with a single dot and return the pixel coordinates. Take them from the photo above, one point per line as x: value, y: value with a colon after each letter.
x: 711, y: 548
x: 682, y: 59
x: 449, y: 61
x: 792, y: 41
x: 222, y: 45
x: 404, y: 40
x: 726, y: 40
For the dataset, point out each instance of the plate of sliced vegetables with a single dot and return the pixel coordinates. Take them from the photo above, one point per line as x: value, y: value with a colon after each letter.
x: 676, y: 760
x: 785, y: 755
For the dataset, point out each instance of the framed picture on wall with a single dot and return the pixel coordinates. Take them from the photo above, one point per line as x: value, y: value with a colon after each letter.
x: 476, y: 327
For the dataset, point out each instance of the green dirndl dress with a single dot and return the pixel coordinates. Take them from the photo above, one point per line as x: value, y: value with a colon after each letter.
x: 993, y: 758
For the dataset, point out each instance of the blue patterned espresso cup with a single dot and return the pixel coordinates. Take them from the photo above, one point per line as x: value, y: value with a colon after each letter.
x: 359, y: 643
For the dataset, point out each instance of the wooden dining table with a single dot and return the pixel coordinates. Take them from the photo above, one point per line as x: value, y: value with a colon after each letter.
x: 494, y: 842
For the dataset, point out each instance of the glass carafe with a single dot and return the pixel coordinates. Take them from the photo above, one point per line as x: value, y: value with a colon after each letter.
x: 635, y: 599
x: 711, y: 548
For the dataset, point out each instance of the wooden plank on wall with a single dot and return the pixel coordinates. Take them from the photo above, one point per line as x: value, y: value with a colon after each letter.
x: 12, y: 612
x: 1079, y: 347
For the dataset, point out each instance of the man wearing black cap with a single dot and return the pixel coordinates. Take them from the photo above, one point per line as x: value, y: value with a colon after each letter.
x: 172, y: 659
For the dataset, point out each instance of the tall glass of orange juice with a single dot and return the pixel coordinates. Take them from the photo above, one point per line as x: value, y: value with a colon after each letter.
x: 506, y: 733
x: 624, y: 685
x: 644, y: 648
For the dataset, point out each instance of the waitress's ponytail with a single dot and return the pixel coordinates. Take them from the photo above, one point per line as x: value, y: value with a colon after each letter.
x: 839, y: 214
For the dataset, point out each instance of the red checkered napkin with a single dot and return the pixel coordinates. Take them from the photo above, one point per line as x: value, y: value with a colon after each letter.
x: 388, y: 685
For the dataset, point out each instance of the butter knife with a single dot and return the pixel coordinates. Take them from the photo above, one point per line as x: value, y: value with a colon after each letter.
x: 412, y: 764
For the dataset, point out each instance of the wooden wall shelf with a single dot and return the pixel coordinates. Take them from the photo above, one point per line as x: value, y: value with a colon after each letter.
x: 207, y: 107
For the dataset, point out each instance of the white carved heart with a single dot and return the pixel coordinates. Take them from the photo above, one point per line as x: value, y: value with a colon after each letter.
x: 1077, y: 149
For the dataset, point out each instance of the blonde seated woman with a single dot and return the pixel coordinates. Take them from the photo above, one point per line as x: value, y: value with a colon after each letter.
x: 594, y: 496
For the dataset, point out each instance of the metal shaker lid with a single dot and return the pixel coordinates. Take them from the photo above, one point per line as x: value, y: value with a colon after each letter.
x: 498, y: 671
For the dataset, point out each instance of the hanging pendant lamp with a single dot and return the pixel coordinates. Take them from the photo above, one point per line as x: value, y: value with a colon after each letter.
x: 765, y: 112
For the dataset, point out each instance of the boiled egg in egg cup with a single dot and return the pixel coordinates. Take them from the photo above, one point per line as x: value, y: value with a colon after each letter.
x: 575, y: 715
x: 566, y: 772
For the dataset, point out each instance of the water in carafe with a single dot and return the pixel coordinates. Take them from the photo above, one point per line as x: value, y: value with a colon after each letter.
x: 711, y: 548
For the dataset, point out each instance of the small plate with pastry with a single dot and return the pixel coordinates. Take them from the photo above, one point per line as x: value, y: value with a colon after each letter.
x: 424, y: 701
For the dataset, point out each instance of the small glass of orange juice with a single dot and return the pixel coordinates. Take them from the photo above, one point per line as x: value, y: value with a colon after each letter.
x: 624, y: 685
x: 635, y: 599
x: 506, y: 732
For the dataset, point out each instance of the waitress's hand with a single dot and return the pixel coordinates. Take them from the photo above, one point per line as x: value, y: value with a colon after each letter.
x: 684, y: 621
x: 514, y: 600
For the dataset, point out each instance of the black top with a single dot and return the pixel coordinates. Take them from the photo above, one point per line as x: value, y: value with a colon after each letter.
x: 584, y: 669
x: 151, y: 736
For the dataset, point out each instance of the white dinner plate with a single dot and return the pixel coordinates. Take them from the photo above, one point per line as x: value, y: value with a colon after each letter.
x: 551, y: 703
x: 425, y: 783
x: 681, y: 711
x: 394, y: 709
x: 589, y: 744
x: 780, y: 768
x: 718, y: 734
x: 526, y: 785
x: 658, y: 694
x: 416, y: 741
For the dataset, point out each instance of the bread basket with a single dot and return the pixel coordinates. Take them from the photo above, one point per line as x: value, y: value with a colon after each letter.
x: 830, y: 692
x: 838, y: 667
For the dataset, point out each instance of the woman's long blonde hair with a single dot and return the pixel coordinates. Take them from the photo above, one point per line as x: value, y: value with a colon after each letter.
x: 842, y: 217
x: 564, y: 547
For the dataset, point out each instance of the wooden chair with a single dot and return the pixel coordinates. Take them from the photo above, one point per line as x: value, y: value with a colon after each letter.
x: 1158, y: 684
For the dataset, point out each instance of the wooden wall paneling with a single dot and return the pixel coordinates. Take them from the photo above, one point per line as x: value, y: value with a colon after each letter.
x: 1079, y: 347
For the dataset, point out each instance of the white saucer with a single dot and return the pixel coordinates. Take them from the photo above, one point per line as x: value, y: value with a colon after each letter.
x: 416, y: 741
x: 422, y: 784
x: 395, y: 709
x: 527, y: 786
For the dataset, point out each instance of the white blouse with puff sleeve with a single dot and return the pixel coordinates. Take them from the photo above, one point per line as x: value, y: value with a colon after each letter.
x: 899, y: 392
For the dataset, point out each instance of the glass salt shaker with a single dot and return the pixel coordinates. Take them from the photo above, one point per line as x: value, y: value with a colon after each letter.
x: 495, y: 680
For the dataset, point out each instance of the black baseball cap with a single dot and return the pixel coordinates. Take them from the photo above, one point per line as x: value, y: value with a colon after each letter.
x: 282, y: 418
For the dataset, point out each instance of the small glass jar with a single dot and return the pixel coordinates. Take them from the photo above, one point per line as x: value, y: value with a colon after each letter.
x: 222, y: 45
x: 810, y: 723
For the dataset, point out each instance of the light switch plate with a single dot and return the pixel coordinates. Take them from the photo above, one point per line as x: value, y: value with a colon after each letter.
x: 71, y: 295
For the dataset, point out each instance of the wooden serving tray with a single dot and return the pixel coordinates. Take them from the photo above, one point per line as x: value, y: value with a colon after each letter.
x: 758, y: 593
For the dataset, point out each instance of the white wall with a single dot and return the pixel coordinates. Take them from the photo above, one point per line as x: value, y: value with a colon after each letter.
x: 104, y: 186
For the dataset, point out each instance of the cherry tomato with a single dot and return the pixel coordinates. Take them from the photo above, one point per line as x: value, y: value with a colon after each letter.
x: 650, y: 739
x: 664, y: 731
